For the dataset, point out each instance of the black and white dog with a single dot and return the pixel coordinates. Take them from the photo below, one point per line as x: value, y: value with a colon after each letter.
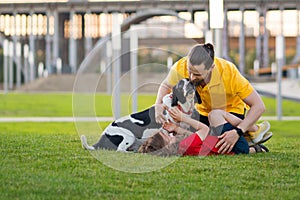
x: 129, y: 132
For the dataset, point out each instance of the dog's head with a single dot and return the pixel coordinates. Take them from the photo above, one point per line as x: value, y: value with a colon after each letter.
x: 183, y: 92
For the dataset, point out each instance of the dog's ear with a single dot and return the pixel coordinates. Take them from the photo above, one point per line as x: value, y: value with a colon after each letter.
x: 174, y: 100
x: 197, y: 98
x: 178, y: 93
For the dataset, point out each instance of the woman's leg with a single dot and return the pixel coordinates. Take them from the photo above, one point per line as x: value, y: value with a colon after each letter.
x: 221, y: 122
x: 219, y: 117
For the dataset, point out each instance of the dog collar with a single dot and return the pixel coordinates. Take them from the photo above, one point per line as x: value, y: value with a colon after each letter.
x: 180, y: 108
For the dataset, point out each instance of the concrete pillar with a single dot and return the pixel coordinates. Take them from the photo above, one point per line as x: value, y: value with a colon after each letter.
x: 25, y: 63
x: 283, y: 41
x: 262, y: 40
x: 116, y: 46
x: 280, y: 57
x: 48, y: 44
x: 218, y: 41
x: 32, y: 51
x: 134, y: 66
x: 225, y: 42
x: 242, y: 63
x: 216, y: 22
x: 55, y: 42
x: 5, y: 65
x: 265, y: 42
x: 18, y: 50
x: 11, y: 66
x: 88, y: 44
x: 72, y: 44
x: 296, y: 59
x: 109, y: 66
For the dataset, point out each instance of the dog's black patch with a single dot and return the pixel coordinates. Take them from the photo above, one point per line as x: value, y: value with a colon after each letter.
x: 197, y: 98
x: 110, y: 142
x: 147, y: 117
x: 143, y: 116
x: 177, y: 94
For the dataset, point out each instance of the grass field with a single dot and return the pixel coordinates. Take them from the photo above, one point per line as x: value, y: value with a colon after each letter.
x: 46, y: 161
x: 59, y: 105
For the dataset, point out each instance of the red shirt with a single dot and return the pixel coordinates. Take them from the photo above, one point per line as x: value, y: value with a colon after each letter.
x: 194, y: 146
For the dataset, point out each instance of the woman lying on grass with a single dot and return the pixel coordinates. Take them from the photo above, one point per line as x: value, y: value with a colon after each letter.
x: 205, y: 141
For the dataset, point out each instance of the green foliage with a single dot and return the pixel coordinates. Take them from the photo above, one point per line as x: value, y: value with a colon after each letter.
x: 46, y: 161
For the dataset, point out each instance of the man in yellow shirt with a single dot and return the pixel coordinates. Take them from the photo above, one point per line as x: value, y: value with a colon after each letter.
x: 220, y: 86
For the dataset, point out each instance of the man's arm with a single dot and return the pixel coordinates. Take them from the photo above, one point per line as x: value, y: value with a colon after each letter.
x: 257, y: 108
x: 163, y: 90
x: 229, y: 138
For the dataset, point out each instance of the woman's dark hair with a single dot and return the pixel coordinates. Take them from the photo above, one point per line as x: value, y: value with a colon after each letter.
x: 156, y: 145
x: 202, y: 53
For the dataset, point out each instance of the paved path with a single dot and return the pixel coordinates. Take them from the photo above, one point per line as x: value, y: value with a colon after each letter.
x: 290, y: 89
x: 101, y: 119
x: 56, y: 119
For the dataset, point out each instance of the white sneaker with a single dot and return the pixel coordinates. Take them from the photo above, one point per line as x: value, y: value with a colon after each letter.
x: 258, y: 135
x: 265, y: 138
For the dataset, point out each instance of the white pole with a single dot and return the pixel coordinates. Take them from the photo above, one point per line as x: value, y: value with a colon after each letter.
x: 11, y: 65
x: 169, y: 62
x: 31, y: 66
x: 55, y: 47
x: 31, y: 59
x: 48, y: 44
x: 134, y: 66
x: 58, y: 65
x: 18, y: 62
x: 5, y: 65
x: 116, y: 45
x: 256, y: 67
x: 273, y: 69
x: 218, y: 42
x: 72, y: 43
x: 40, y: 69
x: 108, y: 61
x: 279, y: 58
x: 26, y: 55
x: 216, y: 21
x: 209, y: 37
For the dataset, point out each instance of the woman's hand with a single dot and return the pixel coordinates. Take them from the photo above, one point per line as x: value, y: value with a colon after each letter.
x: 176, y: 114
x: 170, y: 127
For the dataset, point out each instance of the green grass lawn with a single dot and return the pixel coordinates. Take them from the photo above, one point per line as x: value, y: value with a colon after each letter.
x: 46, y: 161
x: 59, y: 105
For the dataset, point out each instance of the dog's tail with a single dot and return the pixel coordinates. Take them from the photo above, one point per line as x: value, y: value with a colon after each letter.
x: 85, y: 144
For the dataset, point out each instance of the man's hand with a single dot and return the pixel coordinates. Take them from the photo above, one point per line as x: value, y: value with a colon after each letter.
x: 227, y: 142
x: 159, y: 113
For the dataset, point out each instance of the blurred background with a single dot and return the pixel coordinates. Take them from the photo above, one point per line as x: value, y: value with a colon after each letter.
x: 45, y: 44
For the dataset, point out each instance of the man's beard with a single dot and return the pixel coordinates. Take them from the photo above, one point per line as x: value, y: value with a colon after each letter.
x: 197, y: 83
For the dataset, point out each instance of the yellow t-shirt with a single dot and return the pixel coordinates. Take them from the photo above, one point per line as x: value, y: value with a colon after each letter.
x: 226, y: 89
